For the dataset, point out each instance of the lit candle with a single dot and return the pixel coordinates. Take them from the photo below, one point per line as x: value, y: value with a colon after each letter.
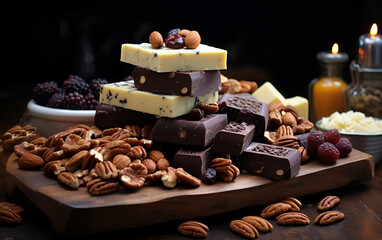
x: 370, y: 49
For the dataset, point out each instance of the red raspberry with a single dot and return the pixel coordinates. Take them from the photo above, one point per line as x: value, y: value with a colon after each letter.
x: 328, y: 153
x: 314, y: 140
x: 344, y: 146
x: 332, y: 136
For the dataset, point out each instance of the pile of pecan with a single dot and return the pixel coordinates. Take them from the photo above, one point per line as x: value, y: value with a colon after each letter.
x: 103, y: 161
x: 285, y: 124
x: 231, y: 85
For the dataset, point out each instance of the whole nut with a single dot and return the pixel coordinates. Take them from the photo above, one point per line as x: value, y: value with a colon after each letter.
x: 163, y: 164
x: 156, y: 39
x: 275, y: 209
x: 150, y: 164
x: 330, y: 217
x: 155, y: 155
x: 192, y: 39
x: 328, y: 203
x: 292, y: 218
x: 69, y: 179
x: 243, y: 228
x: 193, y: 229
x: 259, y: 223
x: 30, y: 161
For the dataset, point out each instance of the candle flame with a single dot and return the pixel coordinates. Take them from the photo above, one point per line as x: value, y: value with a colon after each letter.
x: 335, y: 48
x: 374, y: 29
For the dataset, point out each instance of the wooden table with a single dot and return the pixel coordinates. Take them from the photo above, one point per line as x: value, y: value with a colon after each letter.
x: 361, y: 203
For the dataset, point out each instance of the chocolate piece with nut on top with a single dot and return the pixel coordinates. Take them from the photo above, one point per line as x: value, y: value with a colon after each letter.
x: 194, y: 83
x: 274, y: 162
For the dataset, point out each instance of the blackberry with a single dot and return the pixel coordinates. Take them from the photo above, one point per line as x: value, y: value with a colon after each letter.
x: 56, y: 101
x: 74, y: 101
x: 42, y: 92
x: 95, y: 85
x: 76, y: 84
x: 91, y: 102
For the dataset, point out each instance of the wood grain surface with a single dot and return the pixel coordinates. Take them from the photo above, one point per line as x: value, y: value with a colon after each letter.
x: 76, y: 212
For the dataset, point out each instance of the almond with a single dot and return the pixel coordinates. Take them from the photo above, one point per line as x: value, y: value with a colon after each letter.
x: 289, y: 119
x: 156, y: 39
x: 193, y: 39
x: 30, y: 161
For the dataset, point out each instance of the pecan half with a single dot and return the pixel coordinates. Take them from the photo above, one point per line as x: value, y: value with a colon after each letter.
x: 330, y: 217
x: 69, y: 179
x: 292, y: 218
x: 275, y: 118
x: 146, y: 131
x: 303, y: 126
x: 75, y: 161
x: 53, y: 167
x: 227, y: 173
x: 30, y: 161
x: 169, y: 178
x: 18, y: 134
x: 133, y: 176
x: 287, y: 141
x: 137, y: 152
x: 193, y: 229
x: 209, y: 108
x: 155, y: 155
x: 23, y: 148
x: 187, y: 178
x: 99, y: 186
x: 259, y: 223
x: 220, y: 162
x: 328, y: 203
x: 304, y: 154
x: 294, y: 203
x: 74, y: 143
x: 52, y: 154
x: 114, y: 148
x: 150, y: 164
x: 163, y: 164
x: 93, y: 157
x: 155, y: 177
x: 12, y: 206
x: 243, y: 228
x: 275, y: 209
x: 134, y: 130
x: 106, y: 170
x: 283, y: 131
x: 121, y: 161
x: 9, y: 216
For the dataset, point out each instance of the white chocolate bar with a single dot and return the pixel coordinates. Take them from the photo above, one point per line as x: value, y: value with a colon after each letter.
x: 124, y: 94
x: 172, y: 60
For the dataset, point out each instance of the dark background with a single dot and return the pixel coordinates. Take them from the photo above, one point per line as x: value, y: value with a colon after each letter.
x: 273, y: 41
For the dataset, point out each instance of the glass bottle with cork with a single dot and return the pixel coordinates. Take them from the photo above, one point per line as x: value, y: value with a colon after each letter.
x: 327, y: 93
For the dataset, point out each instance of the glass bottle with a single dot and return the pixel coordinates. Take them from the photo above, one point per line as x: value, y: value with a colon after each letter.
x: 366, y: 94
x: 327, y: 93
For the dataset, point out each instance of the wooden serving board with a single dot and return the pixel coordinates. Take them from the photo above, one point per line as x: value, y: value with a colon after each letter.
x: 76, y: 211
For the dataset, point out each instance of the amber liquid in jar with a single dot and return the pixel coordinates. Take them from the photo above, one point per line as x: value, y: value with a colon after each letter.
x: 328, y: 96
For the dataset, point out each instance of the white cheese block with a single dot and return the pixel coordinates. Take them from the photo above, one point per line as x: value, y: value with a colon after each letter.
x: 268, y: 93
x: 172, y: 60
x: 301, y: 104
x: 124, y: 94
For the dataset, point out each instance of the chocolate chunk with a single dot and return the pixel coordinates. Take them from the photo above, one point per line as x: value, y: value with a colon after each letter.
x: 251, y: 111
x: 108, y: 116
x: 195, y: 83
x: 194, y: 160
x: 270, y: 161
x: 188, y: 132
x: 234, y: 138
x: 302, y: 139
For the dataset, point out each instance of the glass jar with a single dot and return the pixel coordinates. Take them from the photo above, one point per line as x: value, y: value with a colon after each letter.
x: 327, y: 93
x: 366, y: 93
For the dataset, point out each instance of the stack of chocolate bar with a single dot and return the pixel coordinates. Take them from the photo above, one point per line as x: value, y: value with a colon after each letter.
x: 168, y: 84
